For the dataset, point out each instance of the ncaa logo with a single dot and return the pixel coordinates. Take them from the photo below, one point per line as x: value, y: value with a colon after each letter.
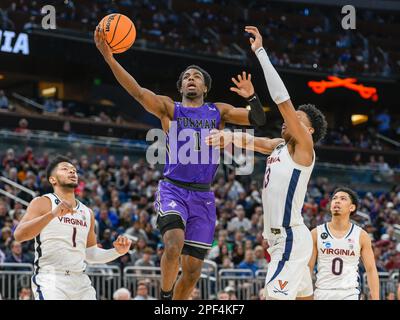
x: 324, y: 235
x: 57, y: 202
x: 327, y: 245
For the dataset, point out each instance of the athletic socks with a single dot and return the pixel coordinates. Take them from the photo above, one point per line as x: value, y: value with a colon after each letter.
x: 166, y: 295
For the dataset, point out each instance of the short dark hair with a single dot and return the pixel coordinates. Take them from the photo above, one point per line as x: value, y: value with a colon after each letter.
x: 317, y: 119
x: 352, y: 194
x: 206, y: 75
x: 54, y: 163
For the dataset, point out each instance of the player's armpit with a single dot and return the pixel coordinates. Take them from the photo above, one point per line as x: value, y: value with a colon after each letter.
x: 158, y: 105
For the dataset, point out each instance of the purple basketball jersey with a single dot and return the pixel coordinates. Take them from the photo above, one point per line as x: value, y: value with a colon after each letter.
x: 188, y: 157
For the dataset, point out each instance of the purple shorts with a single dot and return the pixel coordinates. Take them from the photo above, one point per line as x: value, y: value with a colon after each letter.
x: 196, y: 208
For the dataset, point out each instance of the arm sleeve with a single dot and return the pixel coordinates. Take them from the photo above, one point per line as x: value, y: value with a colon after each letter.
x: 276, y: 87
x: 96, y: 255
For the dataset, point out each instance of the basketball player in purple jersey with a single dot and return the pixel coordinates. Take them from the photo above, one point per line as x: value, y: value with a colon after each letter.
x: 185, y: 204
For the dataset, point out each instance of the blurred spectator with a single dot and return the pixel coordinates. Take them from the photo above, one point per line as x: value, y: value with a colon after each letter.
x: 136, y: 231
x: 142, y: 293
x: 16, y: 255
x: 259, y: 260
x: 107, y: 242
x: 240, y: 222
x: 145, y: 260
x: 195, y: 295
x: 3, y: 101
x: 138, y: 251
x: 222, y: 295
x: 248, y: 262
x: 122, y: 294
x: 23, y: 127
x: 6, y: 239
x: 383, y: 122
x: 158, y: 255
x: 25, y: 293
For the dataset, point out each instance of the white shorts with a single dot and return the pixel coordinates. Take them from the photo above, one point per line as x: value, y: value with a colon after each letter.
x: 345, y: 294
x: 58, y: 286
x: 288, y: 274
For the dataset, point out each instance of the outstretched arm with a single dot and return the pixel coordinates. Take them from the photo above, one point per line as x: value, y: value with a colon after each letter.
x: 96, y: 255
x: 279, y: 94
x: 155, y: 104
x: 242, y: 116
x: 220, y: 139
x: 368, y: 258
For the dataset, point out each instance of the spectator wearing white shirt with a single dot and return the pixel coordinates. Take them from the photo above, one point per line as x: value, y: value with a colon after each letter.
x: 240, y: 222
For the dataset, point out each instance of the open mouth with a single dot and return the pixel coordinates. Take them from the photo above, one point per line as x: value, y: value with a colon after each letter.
x: 191, y: 86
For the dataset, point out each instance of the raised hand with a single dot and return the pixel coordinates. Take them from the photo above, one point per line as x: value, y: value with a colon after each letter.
x: 257, y: 41
x: 122, y: 244
x: 244, y: 87
x: 101, y: 43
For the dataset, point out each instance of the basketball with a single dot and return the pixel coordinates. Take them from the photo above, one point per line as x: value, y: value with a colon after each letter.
x: 120, y: 32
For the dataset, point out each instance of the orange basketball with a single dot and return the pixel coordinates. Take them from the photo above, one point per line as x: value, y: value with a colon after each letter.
x: 120, y: 32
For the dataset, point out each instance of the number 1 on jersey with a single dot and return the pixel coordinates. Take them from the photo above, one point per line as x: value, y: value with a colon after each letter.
x: 74, y: 238
x: 197, y: 141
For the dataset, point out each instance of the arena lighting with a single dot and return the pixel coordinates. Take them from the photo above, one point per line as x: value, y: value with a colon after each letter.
x: 319, y: 87
x: 49, y: 91
x: 1, y: 77
x: 357, y: 119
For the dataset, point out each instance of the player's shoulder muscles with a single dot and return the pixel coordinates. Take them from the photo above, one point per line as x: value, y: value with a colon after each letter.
x: 37, y: 207
x: 365, y: 239
x: 158, y: 105
x: 168, y: 106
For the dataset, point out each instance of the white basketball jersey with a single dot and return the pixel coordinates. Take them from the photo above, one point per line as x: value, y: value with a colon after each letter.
x: 337, y: 262
x: 61, y: 246
x: 284, y: 190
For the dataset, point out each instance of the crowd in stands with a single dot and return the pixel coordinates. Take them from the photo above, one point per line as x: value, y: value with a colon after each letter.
x: 296, y: 35
x: 121, y: 194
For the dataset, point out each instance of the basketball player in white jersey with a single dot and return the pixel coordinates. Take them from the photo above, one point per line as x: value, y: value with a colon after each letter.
x: 288, y: 171
x: 63, y: 229
x: 338, y: 246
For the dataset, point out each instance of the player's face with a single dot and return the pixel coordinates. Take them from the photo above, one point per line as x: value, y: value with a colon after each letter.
x: 65, y: 175
x: 193, y: 84
x: 302, y: 116
x: 341, y: 204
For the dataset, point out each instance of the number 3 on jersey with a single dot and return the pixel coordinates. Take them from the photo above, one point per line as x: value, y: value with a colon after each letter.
x: 266, y: 179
